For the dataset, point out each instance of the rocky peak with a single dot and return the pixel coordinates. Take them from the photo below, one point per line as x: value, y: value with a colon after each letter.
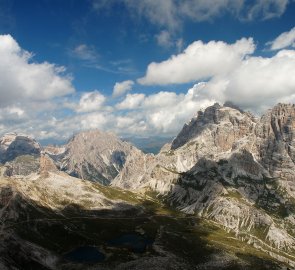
x: 92, y: 155
x: 13, y: 145
x: 275, y: 138
x: 223, y: 120
x: 231, y: 168
x: 283, y: 122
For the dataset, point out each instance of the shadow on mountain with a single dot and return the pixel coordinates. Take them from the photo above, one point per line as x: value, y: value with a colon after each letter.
x: 239, y: 171
x: 197, y: 125
x: 16, y: 149
x: 119, y: 233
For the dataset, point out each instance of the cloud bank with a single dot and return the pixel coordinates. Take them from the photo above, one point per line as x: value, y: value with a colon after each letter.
x: 120, y: 88
x: 39, y: 98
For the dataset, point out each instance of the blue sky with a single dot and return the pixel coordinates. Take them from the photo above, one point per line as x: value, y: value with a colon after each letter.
x: 139, y: 68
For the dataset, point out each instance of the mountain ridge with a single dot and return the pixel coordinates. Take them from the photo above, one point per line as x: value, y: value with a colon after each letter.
x: 226, y: 169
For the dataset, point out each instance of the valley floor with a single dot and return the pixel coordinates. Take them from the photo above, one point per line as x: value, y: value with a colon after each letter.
x: 131, y: 231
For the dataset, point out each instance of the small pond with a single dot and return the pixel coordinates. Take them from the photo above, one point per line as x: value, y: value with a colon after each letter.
x: 87, y: 254
x: 134, y: 242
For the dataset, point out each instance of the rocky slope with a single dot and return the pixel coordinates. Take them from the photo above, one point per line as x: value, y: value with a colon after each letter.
x: 19, y: 153
x: 92, y: 155
x: 48, y: 217
x: 13, y: 145
x: 233, y: 169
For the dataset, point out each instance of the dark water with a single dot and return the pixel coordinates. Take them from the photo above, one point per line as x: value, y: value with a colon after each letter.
x: 85, y: 255
x: 134, y: 242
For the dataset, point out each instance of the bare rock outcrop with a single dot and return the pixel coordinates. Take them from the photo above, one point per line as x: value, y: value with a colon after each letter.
x: 229, y: 167
x: 92, y: 155
x: 13, y: 145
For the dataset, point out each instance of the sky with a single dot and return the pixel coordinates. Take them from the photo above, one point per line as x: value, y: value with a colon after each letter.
x: 139, y: 67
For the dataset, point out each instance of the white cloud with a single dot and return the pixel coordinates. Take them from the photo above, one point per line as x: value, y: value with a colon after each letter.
x: 262, y: 9
x: 85, y: 52
x: 171, y: 14
x: 232, y: 73
x: 198, y: 61
x: 161, y: 113
x: 161, y: 12
x: 90, y: 101
x: 164, y: 39
x: 167, y: 40
x: 262, y: 80
x: 132, y: 101
x: 179, y: 44
x: 22, y: 79
x: 258, y: 83
x: 12, y: 114
x: 284, y: 40
x: 94, y: 121
x: 121, y: 88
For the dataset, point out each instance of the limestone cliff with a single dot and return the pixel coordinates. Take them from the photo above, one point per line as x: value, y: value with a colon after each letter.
x: 231, y: 168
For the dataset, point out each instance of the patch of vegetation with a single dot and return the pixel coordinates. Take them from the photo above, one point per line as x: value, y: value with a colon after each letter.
x: 113, y: 193
x: 227, y: 241
x: 233, y: 194
x: 185, y: 236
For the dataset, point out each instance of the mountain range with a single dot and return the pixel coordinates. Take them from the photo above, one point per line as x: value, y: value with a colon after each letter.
x: 221, y: 195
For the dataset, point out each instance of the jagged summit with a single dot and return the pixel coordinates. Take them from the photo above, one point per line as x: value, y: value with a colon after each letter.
x: 229, y: 115
x: 232, y: 168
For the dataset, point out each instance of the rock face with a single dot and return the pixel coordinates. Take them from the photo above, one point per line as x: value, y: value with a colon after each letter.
x: 20, y: 154
x: 13, y: 145
x: 276, y: 141
x: 92, y: 155
x: 232, y: 168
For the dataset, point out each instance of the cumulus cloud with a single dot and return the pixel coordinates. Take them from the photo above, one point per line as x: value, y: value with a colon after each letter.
x: 132, y: 101
x: 284, y: 40
x: 121, y: 88
x: 23, y: 79
x: 231, y: 71
x: 161, y: 113
x: 262, y: 80
x: 256, y: 84
x: 198, y: 61
x: 90, y: 101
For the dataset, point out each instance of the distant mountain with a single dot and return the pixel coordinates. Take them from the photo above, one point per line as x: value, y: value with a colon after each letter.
x: 92, y: 155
